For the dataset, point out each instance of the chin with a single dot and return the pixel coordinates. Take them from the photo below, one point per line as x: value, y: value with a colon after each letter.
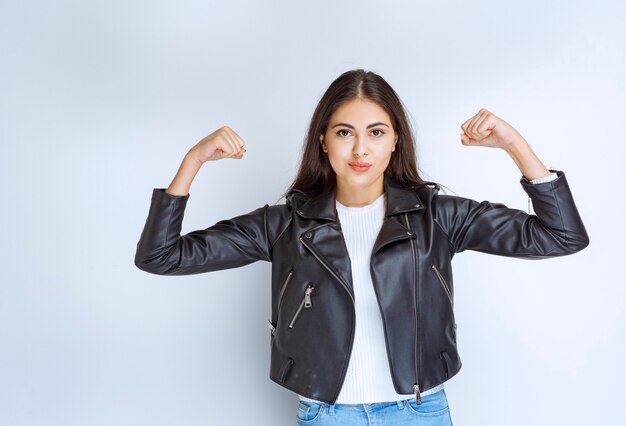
x: 361, y: 181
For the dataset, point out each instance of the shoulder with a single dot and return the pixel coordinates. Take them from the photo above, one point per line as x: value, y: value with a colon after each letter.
x: 443, y: 206
x: 279, y: 216
x: 426, y: 190
x: 428, y: 193
x: 295, y: 197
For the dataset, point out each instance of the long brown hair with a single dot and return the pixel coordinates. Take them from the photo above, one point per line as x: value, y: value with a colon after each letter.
x: 316, y: 175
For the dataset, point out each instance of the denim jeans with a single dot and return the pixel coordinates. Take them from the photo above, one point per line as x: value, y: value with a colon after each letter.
x: 433, y: 411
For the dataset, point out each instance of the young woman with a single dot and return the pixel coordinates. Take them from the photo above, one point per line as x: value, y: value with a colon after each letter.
x: 362, y: 322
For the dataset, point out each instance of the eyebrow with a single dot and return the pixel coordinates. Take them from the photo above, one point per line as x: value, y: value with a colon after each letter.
x: 352, y: 127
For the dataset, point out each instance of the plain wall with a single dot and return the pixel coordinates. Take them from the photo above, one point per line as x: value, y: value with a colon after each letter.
x: 99, y: 102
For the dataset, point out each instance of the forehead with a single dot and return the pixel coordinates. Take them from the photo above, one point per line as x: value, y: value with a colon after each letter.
x: 360, y: 111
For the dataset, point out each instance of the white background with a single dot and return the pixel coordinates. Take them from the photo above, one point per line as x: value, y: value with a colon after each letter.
x: 99, y: 102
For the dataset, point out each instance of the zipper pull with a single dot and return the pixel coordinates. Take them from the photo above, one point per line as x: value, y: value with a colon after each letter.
x: 271, y: 326
x: 529, y: 204
x: 418, y: 397
x: 307, y: 296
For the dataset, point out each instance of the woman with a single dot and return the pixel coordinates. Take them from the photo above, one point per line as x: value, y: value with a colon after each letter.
x: 362, y: 325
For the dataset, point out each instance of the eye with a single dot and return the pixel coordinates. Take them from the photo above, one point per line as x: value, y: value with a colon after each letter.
x: 378, y: 130
x: 342, y: 130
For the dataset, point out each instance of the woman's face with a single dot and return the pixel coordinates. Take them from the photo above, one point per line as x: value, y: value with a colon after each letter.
x: 359, y: 141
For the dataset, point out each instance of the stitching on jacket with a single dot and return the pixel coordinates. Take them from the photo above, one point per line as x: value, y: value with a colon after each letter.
x: 169, y: 222
x: 267, y: 238
x: 560, y: 214
x: 167, y: 231
x: 280, y: 235
x: 241, y: 229
x: 441, y: 227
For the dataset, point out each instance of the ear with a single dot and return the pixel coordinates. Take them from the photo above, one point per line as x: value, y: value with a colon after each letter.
x: 394, y: 144
x: 322, y: 142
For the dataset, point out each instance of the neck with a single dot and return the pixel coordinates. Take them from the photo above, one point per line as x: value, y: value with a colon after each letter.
x: 359, y: 196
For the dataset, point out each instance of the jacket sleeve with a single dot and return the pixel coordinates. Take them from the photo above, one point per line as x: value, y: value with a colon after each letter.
x: 555, y: 229
x: 227, y: 244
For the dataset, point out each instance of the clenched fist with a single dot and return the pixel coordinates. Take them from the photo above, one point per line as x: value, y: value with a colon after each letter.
x: 486, y: 129
x: 222, y: 143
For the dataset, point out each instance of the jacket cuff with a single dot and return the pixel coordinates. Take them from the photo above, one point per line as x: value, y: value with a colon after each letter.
x: 543, y: 187
x: 163, y: 198
x: 543, y: 179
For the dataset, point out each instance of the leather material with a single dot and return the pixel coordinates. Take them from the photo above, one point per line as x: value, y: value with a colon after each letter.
x: 410, y: 266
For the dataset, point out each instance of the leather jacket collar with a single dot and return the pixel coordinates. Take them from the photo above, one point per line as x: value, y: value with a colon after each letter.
x: 398, y: 199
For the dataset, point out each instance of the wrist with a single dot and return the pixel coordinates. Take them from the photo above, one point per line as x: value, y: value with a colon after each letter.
x: 192, y: 158
x: 517, y: 148
x: 526, y: 160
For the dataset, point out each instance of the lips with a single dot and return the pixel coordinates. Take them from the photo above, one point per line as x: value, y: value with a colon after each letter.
x: 360, y: 167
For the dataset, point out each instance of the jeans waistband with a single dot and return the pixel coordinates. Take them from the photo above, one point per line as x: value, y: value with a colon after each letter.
x: 399, y: 400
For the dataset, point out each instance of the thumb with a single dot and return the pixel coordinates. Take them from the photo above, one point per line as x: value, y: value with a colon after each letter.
x: 465, y: 140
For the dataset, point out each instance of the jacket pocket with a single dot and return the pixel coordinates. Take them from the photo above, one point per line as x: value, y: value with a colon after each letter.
x: 286, y: 369
x: 446, y: 362
x: 447, y: 290
x: 283, y: 288
x: 305, y: 303
x: 444, y: 284
x: 272, y: 325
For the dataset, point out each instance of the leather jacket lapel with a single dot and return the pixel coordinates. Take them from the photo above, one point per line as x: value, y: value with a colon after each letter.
x: 399, y: 200
x: 328, y: 245
x: 326, y: 240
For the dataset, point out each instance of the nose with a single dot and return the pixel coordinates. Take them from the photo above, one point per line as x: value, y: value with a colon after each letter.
x: 359, y: 149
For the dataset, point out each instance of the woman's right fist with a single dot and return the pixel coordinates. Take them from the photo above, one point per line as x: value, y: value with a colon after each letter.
x: 222, y: 143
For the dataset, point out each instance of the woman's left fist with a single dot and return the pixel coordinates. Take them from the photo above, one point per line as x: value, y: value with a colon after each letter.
x: 486, y: 129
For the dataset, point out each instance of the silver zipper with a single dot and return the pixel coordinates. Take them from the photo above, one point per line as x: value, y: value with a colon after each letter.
x: 306, y: 303
x: 416, y: 387
x: 529, y: 204
x: 444, y: 284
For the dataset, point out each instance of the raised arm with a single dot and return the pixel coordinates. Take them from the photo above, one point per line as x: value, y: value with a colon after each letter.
x: 555, y: 230
x: 227, y: 244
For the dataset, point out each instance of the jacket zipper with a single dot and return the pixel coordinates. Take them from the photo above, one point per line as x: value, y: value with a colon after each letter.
x: 345, y: 364
x: 416, y: 387
x: 280, y: 299
x: 306, y: 303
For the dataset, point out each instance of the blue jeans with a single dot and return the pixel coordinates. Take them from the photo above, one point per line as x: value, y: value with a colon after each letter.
x: 433, y: 411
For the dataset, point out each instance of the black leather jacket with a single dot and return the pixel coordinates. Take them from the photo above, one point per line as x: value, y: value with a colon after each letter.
x: 313, y: 316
